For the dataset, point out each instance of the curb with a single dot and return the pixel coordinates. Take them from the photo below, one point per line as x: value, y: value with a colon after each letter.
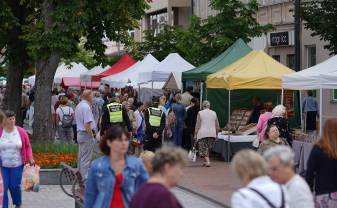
x: 205, y: 196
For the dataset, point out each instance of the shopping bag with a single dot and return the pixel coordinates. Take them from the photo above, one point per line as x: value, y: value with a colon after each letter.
x: 31, y: 178
x: 192, y: 155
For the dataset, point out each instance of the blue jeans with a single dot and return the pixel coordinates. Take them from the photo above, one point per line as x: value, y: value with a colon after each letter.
x: 12, y: 181
x: 178, y: 134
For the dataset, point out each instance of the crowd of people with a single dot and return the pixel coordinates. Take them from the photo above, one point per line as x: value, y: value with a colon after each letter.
x: 144, y: 148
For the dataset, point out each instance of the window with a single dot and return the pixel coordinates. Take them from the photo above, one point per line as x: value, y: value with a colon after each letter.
x: 334, y: 95
x: 291, y: 61
x: 157, y: 22
x: 276, y: 57
x: 311, y: 56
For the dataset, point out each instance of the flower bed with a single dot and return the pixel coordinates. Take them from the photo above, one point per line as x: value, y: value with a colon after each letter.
x: 53, y: 160
x: 50, y: 155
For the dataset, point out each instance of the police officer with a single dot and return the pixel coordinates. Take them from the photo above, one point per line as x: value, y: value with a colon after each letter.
x: 114, y: 114
x: 155, y: 124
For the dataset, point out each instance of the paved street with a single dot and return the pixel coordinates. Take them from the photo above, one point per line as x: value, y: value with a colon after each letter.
x: 216, y: 182
x: 53, y: 197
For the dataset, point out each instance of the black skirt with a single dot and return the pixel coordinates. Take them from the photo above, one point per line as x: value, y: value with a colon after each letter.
x: 311, y: 120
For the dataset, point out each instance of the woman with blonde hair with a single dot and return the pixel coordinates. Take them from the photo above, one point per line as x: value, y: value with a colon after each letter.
x: 322, y: 167
x: 259, y: 191
x: 147, y: 157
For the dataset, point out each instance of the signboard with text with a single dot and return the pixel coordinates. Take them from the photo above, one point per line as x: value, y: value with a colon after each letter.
x: 279, y: 39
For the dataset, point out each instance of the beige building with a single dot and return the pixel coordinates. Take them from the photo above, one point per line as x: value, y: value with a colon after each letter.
x: 164, y: 12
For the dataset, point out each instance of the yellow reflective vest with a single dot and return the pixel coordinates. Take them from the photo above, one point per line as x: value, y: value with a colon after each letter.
x: 155, y: 115
x: 115, y: 112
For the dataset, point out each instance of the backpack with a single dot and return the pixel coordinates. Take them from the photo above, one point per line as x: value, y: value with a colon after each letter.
x: 67, y: 119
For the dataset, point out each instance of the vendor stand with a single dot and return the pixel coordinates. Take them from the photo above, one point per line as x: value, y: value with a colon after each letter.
x: 256, y: 70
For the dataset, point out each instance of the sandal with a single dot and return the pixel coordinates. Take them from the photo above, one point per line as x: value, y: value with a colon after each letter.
x: 208, y: 165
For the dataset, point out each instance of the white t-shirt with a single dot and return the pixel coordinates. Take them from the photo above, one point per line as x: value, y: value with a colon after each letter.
x: 10, y: 149
x: 299, y: 192
x: 64, y: 109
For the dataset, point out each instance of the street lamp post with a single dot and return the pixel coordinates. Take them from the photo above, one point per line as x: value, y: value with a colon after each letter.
x: 297, y: 35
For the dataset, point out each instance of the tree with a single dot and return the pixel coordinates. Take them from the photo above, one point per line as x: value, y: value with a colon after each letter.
x: 44, y: 31
x: 13, y: 14
x: 159, y: 45
x: 205, y: 39
x: 320, y: 17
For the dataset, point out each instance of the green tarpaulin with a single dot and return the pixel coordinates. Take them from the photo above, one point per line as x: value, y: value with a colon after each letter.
x: 232, y: 54
x: 243, y: 99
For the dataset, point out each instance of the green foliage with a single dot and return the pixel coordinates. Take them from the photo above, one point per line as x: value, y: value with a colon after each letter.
x: 320, y: 17
x: 205, y: 39
x: 73, y: 19
x: 56, y: 148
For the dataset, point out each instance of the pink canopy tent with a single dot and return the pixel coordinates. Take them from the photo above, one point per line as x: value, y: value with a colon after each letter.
x: 76, y: 82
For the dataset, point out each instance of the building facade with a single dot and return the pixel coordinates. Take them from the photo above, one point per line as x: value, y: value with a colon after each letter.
x: 164, y: 12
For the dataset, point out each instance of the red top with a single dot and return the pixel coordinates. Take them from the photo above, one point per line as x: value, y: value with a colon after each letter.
x: 117, y: 198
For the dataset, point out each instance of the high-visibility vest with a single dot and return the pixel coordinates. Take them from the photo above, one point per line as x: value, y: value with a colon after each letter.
x: 115, y: 112
x: 155, y: 115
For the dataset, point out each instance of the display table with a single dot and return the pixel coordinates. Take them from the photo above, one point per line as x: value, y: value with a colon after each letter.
x: 228, y: 145
x: 302, y: 151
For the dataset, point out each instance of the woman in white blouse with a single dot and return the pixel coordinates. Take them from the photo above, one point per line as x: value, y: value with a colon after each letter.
x: 206, y: 130
x: 15, y: 152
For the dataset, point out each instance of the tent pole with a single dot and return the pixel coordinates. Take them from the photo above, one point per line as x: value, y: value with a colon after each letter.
x: 201, y: 93
x: 320, y: 111
x: 301, y: 113
x: 229, y: 106
x: 282, y: 95
x: 152, y: 91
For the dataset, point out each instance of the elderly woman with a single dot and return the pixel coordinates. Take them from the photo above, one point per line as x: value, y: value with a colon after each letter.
x: 273, y: 138
x: 259, y: 191
x: 167, y: 166
x: 114, y: 177
x: 281, y: 162
x: 206, y: 130
x: 15, y: 152
x: 322, y: 167
x: 280, y: 120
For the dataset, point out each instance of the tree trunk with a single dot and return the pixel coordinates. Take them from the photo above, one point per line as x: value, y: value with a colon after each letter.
x: 13, y: 93
x: 18, y: 62
x: 45, y: 70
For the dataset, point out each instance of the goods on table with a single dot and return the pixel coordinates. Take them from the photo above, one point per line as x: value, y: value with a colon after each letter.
x: 298, y: 134
x: 238, y: 118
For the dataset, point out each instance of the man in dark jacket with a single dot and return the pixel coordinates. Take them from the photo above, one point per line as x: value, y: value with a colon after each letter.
x: 155, y: 124
x: 114, y: 114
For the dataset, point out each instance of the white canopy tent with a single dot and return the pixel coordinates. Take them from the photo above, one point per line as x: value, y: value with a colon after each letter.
x: 64, y: 71
x: 86, y: 77
x: 72, y: 70
x: 321, y: 76
x: 172, y: 66
x: 130, y: 75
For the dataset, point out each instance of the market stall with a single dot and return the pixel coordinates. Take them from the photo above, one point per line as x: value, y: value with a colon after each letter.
x: 170, y: 68
x: 153, y: 79
x: 87, y: 77
x: 255, y: 71
x: 321, y: 76
x: 130, y: 75
x: 73, y: 70
x: 122, y: 64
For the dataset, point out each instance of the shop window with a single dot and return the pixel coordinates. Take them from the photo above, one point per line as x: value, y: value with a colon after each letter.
x: 277, y: 57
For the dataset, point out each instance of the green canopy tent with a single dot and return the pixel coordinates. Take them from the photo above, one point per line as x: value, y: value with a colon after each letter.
x: 2, y: 78
x: 229, y: 56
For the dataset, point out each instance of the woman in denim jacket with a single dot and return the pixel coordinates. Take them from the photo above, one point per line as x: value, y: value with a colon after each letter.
x: 114, y: 177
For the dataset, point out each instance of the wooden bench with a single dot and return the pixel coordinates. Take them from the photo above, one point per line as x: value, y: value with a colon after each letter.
x: 74, y: 177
